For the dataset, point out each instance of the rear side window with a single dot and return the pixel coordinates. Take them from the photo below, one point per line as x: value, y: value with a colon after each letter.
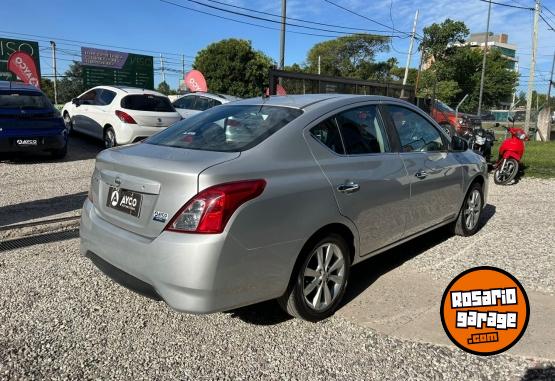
x: 362, y: 131
x: 106, y: 97
x: 327, y: 133
x: 203, y: 104
x: 24, y: 100
x: 147, y: 102
x: 231, y: 128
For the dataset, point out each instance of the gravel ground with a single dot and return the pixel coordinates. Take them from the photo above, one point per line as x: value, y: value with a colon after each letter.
x: 61, y: 319
x: 519, y: 236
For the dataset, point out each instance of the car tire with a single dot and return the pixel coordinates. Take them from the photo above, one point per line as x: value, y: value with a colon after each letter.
x: 109, y: 138
x: 68, y: 123
x: 319, y: 279
x: 468, y: 220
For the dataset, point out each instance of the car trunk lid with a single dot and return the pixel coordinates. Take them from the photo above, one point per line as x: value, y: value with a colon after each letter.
x: 160, y: 179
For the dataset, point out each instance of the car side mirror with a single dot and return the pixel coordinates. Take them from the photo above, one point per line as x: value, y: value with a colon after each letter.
x: 497, y: 124
x: 458, y: 144
x: 511, y: 119
x: 75, y: 101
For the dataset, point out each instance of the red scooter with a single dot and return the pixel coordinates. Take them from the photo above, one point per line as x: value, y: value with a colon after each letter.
x: 510, y: 154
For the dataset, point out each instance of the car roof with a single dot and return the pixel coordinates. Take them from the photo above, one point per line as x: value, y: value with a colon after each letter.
x: 20, y: 86
x: 217, y: 96
x: 308, y: 100
x: 129, y: 90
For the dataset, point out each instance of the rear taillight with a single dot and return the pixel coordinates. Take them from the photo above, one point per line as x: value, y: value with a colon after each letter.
x: 210, y: 210
x: 125, y: 117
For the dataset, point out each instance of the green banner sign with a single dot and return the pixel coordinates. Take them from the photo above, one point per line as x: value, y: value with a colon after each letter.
x: 8, y: 46
x: 108, y: 67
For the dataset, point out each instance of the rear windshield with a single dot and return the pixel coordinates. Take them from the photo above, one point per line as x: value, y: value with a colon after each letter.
x: 24, y: 100
x: 147, y: 102
x: 226, y: 128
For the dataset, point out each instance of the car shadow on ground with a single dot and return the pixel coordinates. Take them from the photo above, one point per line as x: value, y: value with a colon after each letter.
x: 31, y: 210
x: 540, y: 373
x: 80, y: 147
x: 363, y: 275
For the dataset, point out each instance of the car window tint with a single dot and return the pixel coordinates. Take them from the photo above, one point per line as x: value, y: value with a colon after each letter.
x: 147, y: 102
x: 362, y: 131
x: 89, y: 98
x: 415, y: 132
x: 185, y: 102
x: 23, y: 100
x: 202, y: 104
x: 226, y: 128
x: 214, y: 103
x: 106, y: 97
x: 328, y: 134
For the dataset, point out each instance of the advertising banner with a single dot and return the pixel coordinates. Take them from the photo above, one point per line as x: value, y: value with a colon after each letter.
x: 195, y: 81
x: 108, y: 67
x: 26, y: 65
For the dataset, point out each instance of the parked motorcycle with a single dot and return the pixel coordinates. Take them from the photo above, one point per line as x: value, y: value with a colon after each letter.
x: 510, y: 155
x: 480, y: 141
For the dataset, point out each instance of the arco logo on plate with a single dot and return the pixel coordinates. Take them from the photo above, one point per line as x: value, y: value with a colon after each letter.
x: 485, y: 310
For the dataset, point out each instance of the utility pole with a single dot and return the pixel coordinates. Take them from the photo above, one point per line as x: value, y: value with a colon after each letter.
x: 53, y: 46
x: 409, y: 55
x: 183, y: 66
x: 550, y: 83
x: 532, y: 67
x: 319, y: 71
x: 484, y: 63
x: 282, y: 36
x: 162, y: 68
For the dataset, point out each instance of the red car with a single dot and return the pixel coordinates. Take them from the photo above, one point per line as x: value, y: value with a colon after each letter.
x: 445, y: 116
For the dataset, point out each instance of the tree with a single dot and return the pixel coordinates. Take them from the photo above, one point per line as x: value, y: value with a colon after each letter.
x: 47, y: 87
x: 344, y: 55
x: 71, y: 85
x: 439, y: 40
x: 164, y: 88
x: 233, y: 67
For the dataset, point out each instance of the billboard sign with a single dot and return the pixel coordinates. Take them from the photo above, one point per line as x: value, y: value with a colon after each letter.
x: 108, y: 67
x: 19, y: 60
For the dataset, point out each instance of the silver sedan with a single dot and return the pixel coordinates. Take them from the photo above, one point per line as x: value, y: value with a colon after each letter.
x: 276, y: 198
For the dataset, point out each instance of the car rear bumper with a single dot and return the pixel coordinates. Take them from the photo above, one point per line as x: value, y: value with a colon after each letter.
x: 196, y: 273
x: 131, y: 133
x: 44, y: 143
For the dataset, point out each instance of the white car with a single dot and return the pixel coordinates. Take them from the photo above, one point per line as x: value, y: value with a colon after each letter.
x: 193, y: 103
x: 119, y: 115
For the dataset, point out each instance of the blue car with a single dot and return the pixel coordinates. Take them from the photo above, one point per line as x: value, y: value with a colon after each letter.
x: 29, y: 122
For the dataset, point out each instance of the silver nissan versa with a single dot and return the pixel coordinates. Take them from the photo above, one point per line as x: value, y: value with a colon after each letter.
x: 276, y: 198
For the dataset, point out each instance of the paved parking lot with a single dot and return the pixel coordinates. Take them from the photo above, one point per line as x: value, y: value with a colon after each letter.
x: 61, y: 318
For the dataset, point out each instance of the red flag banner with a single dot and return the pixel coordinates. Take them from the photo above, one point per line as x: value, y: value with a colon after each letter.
x: 22, y: 65
x: 195, y: 81
x: 280, y: 90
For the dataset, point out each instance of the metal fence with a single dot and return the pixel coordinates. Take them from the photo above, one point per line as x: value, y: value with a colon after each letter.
x: 303, y: 83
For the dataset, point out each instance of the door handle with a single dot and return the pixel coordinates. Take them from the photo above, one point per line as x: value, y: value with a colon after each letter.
x: 349, y: 187
x: 421, y: 174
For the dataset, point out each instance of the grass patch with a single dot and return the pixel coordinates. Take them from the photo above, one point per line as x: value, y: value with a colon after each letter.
x: 538, y: 160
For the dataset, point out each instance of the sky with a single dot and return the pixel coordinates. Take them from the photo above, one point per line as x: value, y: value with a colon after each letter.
x: 157, y: 26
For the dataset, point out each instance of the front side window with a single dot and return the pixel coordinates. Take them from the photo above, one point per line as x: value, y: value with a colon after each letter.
x: 89, y: 98
x: 231, y: 128
x: 185, y: 102
x: 415, y: 132
x: 328, y: 133
x: 362, y: 131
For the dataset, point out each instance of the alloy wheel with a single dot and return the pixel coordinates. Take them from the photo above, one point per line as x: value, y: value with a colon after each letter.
x: 473, y: 209
x: 323, y: 276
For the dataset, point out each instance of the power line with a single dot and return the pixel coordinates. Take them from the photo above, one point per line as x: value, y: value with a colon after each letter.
x: 366, y: 18
x: 259, y: 18
x: 297, y: 19
x: 547, y: 22
x: 508, y: 5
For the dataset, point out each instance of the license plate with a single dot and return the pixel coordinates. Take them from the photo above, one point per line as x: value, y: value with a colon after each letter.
x: 125, y: 201
x: 27, y: 142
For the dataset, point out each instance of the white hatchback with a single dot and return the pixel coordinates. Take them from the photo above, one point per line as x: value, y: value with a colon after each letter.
x: 193, y: 103
x: 119, y: 115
